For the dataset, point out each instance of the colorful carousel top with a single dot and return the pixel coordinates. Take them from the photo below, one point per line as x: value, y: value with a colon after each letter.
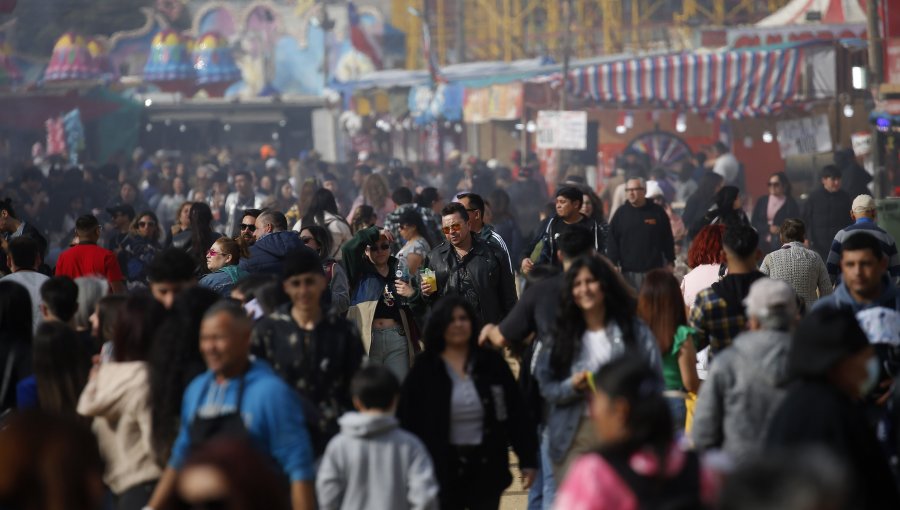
x: 71, y: 60
x: 213, y: 60
x: 169, y: 59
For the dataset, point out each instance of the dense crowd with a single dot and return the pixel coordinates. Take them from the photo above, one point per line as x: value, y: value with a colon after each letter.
x: 219, y: 331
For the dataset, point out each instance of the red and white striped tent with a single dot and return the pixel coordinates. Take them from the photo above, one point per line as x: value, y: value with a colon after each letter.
x: 726, y: 83
x: 831, y: 12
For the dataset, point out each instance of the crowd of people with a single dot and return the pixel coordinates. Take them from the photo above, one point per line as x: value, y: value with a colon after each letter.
x: 243, y: 333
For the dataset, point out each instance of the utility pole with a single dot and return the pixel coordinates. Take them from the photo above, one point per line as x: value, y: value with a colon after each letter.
x: 460, y: 32
x: 563, y: 93
x: 876, y: 68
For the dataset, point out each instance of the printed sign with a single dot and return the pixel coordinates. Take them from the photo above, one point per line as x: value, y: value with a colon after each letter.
x: 562, y: 130
x: 809, y: 135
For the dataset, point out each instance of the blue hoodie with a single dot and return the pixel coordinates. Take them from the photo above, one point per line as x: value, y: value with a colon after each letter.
x: 889, y: 298
x: 271, y: 411
x: 268, y: 254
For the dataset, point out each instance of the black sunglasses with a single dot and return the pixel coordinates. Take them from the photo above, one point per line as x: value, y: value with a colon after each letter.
x: 251, y: 228
x: 143, y: 224
x: 379, y: 247
x: 307, y: 239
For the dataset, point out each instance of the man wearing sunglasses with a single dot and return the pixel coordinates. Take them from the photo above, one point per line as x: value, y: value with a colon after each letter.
x: 467, y: 266
x: 474, y: 205
x: 248, y: 225
x: 273, y: 244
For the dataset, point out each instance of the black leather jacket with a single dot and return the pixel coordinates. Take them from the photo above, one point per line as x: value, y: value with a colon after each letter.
x: 482, y: 277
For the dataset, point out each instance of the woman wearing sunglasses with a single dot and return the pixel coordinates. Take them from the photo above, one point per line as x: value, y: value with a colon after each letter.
x: 139, y: 248
x: 380, y: 312
x: 222, y: 260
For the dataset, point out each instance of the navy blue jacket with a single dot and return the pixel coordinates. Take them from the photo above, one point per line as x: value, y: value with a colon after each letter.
x: 267, y: 255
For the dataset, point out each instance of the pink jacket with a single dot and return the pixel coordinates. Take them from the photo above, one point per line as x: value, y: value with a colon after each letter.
x: 593, y: 484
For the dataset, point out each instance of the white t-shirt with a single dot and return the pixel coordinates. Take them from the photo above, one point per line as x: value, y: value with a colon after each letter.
x: 32, y: 281
x: 728, y: 167
x: 596, y: 350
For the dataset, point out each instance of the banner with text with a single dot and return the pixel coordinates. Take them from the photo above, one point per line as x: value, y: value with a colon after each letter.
x: 562, y: 130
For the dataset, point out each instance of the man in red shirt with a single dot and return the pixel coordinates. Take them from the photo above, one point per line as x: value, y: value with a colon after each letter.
x: 88, y: 259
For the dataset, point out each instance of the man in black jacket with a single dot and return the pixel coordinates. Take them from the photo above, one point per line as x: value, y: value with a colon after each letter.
x: 640, y: 235
x: 312, y: 351
x: 467, y: 266
x: 569, y: 201
x: 827, y: 211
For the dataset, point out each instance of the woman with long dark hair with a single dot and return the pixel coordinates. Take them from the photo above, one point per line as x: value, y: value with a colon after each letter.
x: 771, y: 210
x: 596, y: 323
x: 61, y: 362
x: 319, y: 239
x: 173, y: 362
x: 417, y: 241
x: 637, y: 463
x: 199, y: 237
x: 117, y: 397
x: 661, y: 306
x: 701, y: 200
x: 15, y: 340
x: 323, y: 211
x: 462, y: 401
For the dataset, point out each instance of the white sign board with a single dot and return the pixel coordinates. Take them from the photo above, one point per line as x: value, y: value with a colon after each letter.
x: 809, y: 135
x: 862, y: 143
x: 562, y: 130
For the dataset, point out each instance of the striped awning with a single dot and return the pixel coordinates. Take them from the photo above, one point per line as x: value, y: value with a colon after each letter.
x: 729, y: 83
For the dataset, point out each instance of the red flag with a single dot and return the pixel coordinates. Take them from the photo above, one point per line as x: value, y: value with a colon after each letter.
x: 360, y: 39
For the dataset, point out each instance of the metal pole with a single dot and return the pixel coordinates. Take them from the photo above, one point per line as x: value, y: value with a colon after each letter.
x: 563, y: 93
x: 875, y: 74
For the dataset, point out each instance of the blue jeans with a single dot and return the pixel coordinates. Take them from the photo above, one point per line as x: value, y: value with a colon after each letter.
x: 679, y: 413
x: 390, y: 348
x: 541, y: 494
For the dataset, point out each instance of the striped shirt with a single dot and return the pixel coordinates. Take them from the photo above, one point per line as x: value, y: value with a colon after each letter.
x: 801, y: 268
x: 888, y: 246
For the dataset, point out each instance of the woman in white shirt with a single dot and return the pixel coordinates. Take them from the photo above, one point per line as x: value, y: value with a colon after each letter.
x: 597, y: 323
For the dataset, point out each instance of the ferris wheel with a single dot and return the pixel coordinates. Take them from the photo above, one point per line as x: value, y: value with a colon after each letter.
x: 662, y: 149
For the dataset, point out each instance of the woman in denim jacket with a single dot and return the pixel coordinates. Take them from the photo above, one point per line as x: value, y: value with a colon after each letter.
x: 597, y: 323
x: 222, y: 260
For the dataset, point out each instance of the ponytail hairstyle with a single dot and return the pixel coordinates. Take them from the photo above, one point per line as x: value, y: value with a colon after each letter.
x: 649, y: 421
x: 233, y: 247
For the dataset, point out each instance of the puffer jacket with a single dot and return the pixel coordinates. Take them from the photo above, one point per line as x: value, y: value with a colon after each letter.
x: 268, y: 254
x: 741, y: 393
x: 494, y: 293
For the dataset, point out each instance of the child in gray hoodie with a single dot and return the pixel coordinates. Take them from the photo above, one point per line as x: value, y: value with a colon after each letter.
x: 373, y: 463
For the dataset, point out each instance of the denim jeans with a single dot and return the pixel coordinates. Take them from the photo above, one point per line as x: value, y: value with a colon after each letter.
x: 541, y: 494
x: 390, y: 348
x: 679, y: 413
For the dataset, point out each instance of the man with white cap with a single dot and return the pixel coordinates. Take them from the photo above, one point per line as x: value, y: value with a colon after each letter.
x: 864, y: 214
x: 742, y: 388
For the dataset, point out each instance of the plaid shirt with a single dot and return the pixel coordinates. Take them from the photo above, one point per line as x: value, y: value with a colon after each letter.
x: 715, y: 327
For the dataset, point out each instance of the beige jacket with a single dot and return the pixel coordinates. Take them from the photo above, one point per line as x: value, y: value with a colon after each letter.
x: 118, y: 399
x: 363, y: 315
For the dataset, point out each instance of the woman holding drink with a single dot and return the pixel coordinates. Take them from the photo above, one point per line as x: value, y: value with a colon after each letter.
x: 379, y: 310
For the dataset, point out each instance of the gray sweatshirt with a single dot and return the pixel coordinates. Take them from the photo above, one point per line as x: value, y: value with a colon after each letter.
x: 741, y: 393
x: 374, y: 464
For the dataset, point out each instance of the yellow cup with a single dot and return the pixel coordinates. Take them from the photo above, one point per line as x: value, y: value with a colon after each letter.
x: 430, y: 278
